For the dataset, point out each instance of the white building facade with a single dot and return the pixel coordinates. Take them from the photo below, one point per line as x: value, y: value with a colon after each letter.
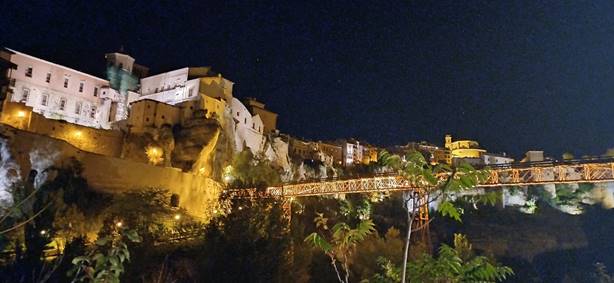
x: 214, y: 92
x: 61, y: 93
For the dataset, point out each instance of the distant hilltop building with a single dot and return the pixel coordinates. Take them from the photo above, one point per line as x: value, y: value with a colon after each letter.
x: 469, y: 151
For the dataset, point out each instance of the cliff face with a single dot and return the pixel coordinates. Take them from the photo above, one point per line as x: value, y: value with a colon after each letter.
x: 22, y: 151
x: 194, y: 142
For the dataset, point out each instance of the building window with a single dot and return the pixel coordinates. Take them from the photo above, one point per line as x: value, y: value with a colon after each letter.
x: 12, y: 82
x: 78, y: 108
x: 29, y: 72
x: 156, y: 91
x: 93, y: 112
x: 237, y: 114
x: 48, y: 78
x: 254, y: 126
x: 25, y: 94
x: 95, y: 92
x: 62, y: 103
x: 81, y: 86
x: 65, y: 82
x: 44, y: 100
x: 190, y: 90
x: 245, y: 121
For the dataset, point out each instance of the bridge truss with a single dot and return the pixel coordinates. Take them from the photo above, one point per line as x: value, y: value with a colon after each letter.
x: 537, y: 175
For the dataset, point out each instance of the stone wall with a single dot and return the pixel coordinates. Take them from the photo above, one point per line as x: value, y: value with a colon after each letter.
x: 105, y: 142
x: 197, y: 194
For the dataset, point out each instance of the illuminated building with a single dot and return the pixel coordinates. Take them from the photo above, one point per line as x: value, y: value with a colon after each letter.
x: 466, y: 150
x: 62, y: 93
x: 352, y: 152
x: 269, y: 119
x: 201, y: 89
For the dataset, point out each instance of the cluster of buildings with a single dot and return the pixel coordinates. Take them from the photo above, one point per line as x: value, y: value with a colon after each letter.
x: 130, y: 100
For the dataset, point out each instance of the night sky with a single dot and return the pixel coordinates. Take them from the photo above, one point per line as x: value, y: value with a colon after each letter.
x: 513, y: 75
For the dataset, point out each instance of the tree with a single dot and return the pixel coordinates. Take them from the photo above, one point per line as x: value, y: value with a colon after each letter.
x: 433, y: 183
x: 340, y: 241
x: 453, y: 264
x: 249, y: 171
x: 105, y: 263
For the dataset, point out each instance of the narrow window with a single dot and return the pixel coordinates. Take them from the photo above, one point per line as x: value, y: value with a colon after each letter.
x: 29, y: 72
x: 62, y: 103
x: 81, y: 86
x: 190, y: 92
x: 65, y: 82
x: 245, y: 121
x: 44, y: 100
x: 93, y: 112
x: 25, y: 94
x: 12, y: 82
x: 156, y: 91
x: 237, y: 114
x: 78, y: 108
x: 95, y: 92
x: 48, y: 78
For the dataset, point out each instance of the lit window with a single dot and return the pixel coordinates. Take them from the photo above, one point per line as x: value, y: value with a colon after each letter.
x: 44, y: 100
x: 95, y: 92
x: 62, y: 103
x: 93, y: 112
x: 48, y: 78
x: 65, y: 82
x: 81, y: 86
x: 25, y: 94
x: 29, y: 72
x: 78, y: 108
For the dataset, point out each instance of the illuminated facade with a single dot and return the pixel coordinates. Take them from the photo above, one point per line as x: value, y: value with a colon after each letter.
x: 352, y: 153
x: 61, y: 93
x: 199, y: 88
x: 467, y: 150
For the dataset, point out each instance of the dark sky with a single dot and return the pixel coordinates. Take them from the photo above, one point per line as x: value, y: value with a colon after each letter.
x: 513, y: 75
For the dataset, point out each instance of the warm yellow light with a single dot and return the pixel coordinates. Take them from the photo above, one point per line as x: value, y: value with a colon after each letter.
x: 119, y: 224
x: 21, y: 114
x: 154, y: 154
x: 77, y: 133
x: 240, y: 208
x: 43, y: 232
x: 177, y: 216
x: 215, y: 211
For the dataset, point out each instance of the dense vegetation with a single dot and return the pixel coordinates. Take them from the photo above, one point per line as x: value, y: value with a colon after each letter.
x: 63, y: 231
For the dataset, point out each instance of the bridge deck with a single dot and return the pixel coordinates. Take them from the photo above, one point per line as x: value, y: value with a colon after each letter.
x: 561, y: 173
